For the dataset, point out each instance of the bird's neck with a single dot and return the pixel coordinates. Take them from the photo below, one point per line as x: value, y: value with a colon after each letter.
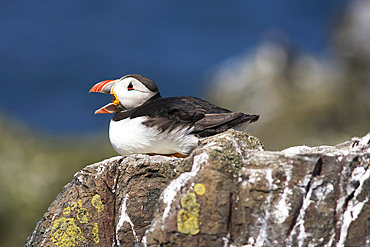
x: 155, y: 97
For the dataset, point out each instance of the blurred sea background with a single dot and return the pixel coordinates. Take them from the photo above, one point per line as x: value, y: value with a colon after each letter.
x: 304, y: 66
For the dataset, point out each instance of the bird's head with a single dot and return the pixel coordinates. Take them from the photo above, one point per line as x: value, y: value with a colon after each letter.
x: 128, y: 92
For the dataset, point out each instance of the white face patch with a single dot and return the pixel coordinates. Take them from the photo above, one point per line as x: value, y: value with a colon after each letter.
x: 131, y: 92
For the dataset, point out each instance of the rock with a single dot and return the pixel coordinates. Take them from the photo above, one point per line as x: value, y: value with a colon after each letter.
x: 229, y: 192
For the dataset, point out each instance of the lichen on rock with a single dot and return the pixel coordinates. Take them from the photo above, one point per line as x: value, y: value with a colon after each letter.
x: 223, y: 194
x: 96, y: 202
x: 65, y: 233
x: 200, y: 189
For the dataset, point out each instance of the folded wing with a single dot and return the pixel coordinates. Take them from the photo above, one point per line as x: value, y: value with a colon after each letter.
x: 203, y: 118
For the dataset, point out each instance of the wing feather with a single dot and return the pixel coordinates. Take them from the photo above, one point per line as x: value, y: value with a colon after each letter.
x: 199, y: 115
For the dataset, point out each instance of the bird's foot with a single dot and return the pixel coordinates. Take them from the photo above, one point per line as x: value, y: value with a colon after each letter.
x: 177, y: 155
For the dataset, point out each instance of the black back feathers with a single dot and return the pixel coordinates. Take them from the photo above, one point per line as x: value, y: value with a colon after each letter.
x: 186, y: 112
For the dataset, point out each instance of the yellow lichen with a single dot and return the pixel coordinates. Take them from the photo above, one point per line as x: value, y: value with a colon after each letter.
x: 73, y: 206
x: 200, y: 189
x: 188, y: 216
x: 82, y: 215
x: 66, y: 233
x: 80, y: 203
x: 95, y: 231
x: 97, y: 203
x: 67, y: 210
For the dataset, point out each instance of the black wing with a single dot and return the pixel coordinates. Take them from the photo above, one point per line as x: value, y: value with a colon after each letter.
x: 178, y: 112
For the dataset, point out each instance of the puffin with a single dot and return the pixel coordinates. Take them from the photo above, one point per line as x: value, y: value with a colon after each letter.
x: 146, y: 123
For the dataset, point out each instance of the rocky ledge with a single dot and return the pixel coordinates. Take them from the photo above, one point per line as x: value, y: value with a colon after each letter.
x: 229, y: 192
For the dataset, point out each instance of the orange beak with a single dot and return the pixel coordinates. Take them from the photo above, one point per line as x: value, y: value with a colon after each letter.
x: 105, y: 87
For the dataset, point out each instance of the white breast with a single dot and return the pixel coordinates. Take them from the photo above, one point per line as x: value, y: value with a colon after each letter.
x: 129, y: 136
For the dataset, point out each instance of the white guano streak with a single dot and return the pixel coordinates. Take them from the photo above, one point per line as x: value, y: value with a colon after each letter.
x: 299, y: 225
x: 283, y: 206
x: 172, y: 189
x: 354, y: 208
x: 262, y: 236
x: 125, y: 218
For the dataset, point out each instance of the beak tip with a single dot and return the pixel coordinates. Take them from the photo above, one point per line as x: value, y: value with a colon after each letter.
x: 105, y: 87
x: 110, y: 108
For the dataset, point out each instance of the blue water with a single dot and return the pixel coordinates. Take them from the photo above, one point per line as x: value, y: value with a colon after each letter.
x: 52, y: 52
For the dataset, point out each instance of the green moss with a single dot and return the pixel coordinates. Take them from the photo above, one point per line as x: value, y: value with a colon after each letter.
x: 228, y: 155
x: 252, y: 142
x: 227, y: 152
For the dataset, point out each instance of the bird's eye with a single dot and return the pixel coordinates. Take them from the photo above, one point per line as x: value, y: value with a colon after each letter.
x: 130, y: 87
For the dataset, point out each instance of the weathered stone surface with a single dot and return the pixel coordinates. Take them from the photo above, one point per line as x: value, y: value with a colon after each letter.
x: 98, y: 207
x: 224, y: 194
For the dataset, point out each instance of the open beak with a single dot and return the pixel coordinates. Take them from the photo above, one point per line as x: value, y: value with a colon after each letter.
x: 106, y: 87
